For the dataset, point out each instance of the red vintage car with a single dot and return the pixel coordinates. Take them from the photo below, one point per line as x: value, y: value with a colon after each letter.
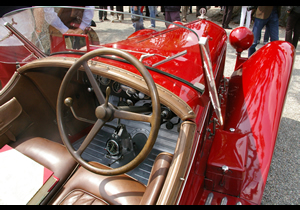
x: 145, y: 117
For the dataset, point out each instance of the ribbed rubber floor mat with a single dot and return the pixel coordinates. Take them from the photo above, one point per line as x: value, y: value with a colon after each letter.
x: 139, y: 131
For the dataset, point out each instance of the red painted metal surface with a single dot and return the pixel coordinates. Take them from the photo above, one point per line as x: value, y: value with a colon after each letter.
x: 187, y: 67
x: 241, y: 39
x: 255, y: 103
x: 9, y: 54
x: 229, y: 151
x: 265, y: 81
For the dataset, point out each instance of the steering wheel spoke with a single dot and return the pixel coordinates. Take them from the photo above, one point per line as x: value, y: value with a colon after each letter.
x: 131, y: 116
x: 91, y: 135
x: 94, y: 84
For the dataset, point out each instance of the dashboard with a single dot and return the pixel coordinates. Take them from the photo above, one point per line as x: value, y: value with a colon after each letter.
x: 127, y: 95
x: 123, y: 95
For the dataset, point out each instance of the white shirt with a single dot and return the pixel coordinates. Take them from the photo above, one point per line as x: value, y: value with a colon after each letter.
x: 52, y: 18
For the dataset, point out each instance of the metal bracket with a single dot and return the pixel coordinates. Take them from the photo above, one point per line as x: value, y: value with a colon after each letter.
x: 225, y: 170
x: 206, y: 61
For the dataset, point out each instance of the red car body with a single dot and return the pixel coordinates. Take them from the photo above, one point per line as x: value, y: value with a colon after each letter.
x: 229, y: 163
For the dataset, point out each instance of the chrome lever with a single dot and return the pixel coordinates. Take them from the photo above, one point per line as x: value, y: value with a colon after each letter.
x: 170, y: 58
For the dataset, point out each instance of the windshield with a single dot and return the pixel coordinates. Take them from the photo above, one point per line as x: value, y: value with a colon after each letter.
x: 45, y: 26
x: 37, y: 32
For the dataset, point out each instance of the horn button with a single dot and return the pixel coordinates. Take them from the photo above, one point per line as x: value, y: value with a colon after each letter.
x: 104, y: 112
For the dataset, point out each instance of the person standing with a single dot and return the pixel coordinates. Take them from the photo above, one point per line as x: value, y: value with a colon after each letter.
x: 172, y: 13
x: 69, y: 20
x: 120, y: 16
x: 227, y: 14
x: 137, y: 21
x: 293, y: 24
x: 152, y: 11
x: 265, y: 16
x: 102, y: 13
x: 184, y: 13
x: 245, y: 14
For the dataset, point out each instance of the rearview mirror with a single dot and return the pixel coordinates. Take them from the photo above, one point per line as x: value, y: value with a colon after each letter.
x: 76, y: 42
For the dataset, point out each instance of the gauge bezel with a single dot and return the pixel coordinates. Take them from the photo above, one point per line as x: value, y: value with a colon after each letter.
x: 116, y: 90
x: 102, y: 82
x: 109, y: 147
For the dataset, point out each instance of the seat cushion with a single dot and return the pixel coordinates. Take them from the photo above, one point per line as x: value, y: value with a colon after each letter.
x: 53, y: 156
x: 114, y: 190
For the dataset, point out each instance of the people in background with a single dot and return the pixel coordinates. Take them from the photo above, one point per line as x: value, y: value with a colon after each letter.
x: 76, y: 22
x: 293, y: 25
x: 245, y: 14
x: 102, y: 14
x: 184, y: 10
x: 152, y: 11
x: 137, y: 21
x: 69, y: 20
x: 265, y: 16
x: 172, y: 13
x: 227, y: 14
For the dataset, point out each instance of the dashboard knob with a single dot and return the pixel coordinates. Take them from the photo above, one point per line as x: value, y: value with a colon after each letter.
x: 68, y: 102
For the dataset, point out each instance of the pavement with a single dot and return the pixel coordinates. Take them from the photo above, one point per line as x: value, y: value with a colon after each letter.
x: 283, y: 185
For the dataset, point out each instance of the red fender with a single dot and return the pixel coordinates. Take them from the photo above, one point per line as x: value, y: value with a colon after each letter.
x: 256, y: 99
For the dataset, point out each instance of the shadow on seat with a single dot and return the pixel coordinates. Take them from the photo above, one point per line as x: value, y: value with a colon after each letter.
x: 52, y: 155
x: 85, y: 187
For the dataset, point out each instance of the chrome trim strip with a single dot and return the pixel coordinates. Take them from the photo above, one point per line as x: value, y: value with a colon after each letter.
x: 224, y: 201
x: 209, y: 199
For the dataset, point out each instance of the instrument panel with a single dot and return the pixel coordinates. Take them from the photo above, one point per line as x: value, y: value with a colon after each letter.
x: 127, y: 95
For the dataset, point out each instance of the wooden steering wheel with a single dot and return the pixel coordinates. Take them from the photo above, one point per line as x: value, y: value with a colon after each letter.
x: 107, y: 112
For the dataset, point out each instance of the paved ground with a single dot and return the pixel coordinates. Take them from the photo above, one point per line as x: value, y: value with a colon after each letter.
x: 283, y: 185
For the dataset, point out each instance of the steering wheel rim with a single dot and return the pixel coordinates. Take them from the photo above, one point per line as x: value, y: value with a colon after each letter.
x: 106, y: 112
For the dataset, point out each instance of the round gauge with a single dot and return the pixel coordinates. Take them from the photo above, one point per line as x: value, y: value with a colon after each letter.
x: 104, y: 80
x: 116, y: 87
x: 112, y: 147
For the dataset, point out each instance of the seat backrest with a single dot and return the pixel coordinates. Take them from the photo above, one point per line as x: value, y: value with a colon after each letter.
x: 157, y: 178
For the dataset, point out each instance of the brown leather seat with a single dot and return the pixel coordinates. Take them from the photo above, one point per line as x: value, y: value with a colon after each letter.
x: 52, y: 155
x: 85, y: 187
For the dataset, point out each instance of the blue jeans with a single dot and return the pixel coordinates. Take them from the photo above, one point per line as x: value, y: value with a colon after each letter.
x: 138, y: 25
x: 152, y: 14
x: 272, y: 26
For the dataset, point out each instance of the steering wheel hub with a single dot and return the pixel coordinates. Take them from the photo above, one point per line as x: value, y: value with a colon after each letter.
x: 104, y: 113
